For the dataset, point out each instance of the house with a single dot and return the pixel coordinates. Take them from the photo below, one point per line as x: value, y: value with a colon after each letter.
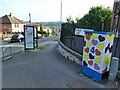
x: 47, y: 30
x: 10, y: 24
x: 44, y: 28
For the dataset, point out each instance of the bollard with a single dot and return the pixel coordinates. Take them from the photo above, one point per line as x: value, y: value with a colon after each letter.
x: 113, y: 69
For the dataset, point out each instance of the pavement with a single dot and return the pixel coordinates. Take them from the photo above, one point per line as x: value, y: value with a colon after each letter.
x: 46, y: 68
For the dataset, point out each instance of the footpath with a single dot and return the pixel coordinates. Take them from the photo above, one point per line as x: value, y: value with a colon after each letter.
x: 46, y: 68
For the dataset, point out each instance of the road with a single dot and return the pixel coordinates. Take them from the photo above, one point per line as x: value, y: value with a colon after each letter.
x: 17, y: 46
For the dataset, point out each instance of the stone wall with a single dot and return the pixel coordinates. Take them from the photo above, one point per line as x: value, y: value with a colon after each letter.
x: 68, y: 54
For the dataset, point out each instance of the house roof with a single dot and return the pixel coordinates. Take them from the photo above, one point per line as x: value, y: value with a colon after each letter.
x: 8, y: 19
x: 26, y: 22
x: 45, y: 27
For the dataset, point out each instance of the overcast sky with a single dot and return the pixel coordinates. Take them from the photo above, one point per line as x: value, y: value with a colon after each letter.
x: 49, y: 10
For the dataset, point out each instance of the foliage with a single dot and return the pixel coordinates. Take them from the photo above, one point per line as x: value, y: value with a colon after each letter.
x: 6, y: 41
x: 41, y: 29
x: 68, y: 27
x: 96, y: 17
x: 47, y: 34
x: 42, y: 47
x: 41, y: 32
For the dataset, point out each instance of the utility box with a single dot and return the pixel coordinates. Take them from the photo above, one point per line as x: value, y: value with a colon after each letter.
x: 97, y: 53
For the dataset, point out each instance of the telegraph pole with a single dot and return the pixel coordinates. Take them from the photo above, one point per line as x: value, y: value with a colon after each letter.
x: 60, y: 20
x: 30, y: 18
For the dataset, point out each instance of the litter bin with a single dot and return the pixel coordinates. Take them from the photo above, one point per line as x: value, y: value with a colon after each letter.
x: 97, y: 54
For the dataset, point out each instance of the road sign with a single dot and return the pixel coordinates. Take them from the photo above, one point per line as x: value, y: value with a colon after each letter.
x: 80, y: 31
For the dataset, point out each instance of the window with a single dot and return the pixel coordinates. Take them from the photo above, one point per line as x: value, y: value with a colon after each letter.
x: 18, y: 25
x: 15, y: 25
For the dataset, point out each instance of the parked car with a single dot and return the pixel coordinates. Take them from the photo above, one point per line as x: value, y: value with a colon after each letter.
x: 40, y: 36
x: 17, y: 38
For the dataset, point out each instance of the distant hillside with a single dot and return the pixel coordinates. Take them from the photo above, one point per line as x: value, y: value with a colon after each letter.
x: 55, y: 25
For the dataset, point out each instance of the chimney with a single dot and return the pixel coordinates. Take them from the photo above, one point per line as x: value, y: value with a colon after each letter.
x: 11, y: 14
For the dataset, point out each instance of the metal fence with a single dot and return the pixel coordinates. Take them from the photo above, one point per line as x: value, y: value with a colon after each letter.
x: 6, y: 55
x: 9, y: 50
x: 76, y: 42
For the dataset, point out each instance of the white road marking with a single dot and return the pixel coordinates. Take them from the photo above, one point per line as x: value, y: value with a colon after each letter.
x: 11, y: 46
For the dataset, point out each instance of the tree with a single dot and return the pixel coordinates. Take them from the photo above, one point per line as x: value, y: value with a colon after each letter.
x: 69, y: 20
x: 98, y: 18
x: 69, y: 26
x: 41, y: 29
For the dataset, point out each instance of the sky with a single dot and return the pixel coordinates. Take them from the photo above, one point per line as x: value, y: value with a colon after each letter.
x: 49, y: 10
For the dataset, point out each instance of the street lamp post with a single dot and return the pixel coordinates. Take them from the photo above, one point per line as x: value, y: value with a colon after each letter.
x: 61, y: 15
x: 102, y: 23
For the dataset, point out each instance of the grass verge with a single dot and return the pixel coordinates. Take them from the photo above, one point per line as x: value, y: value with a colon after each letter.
x: 55, y: 40
x: 6, y: 41
x: 42, y: 47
